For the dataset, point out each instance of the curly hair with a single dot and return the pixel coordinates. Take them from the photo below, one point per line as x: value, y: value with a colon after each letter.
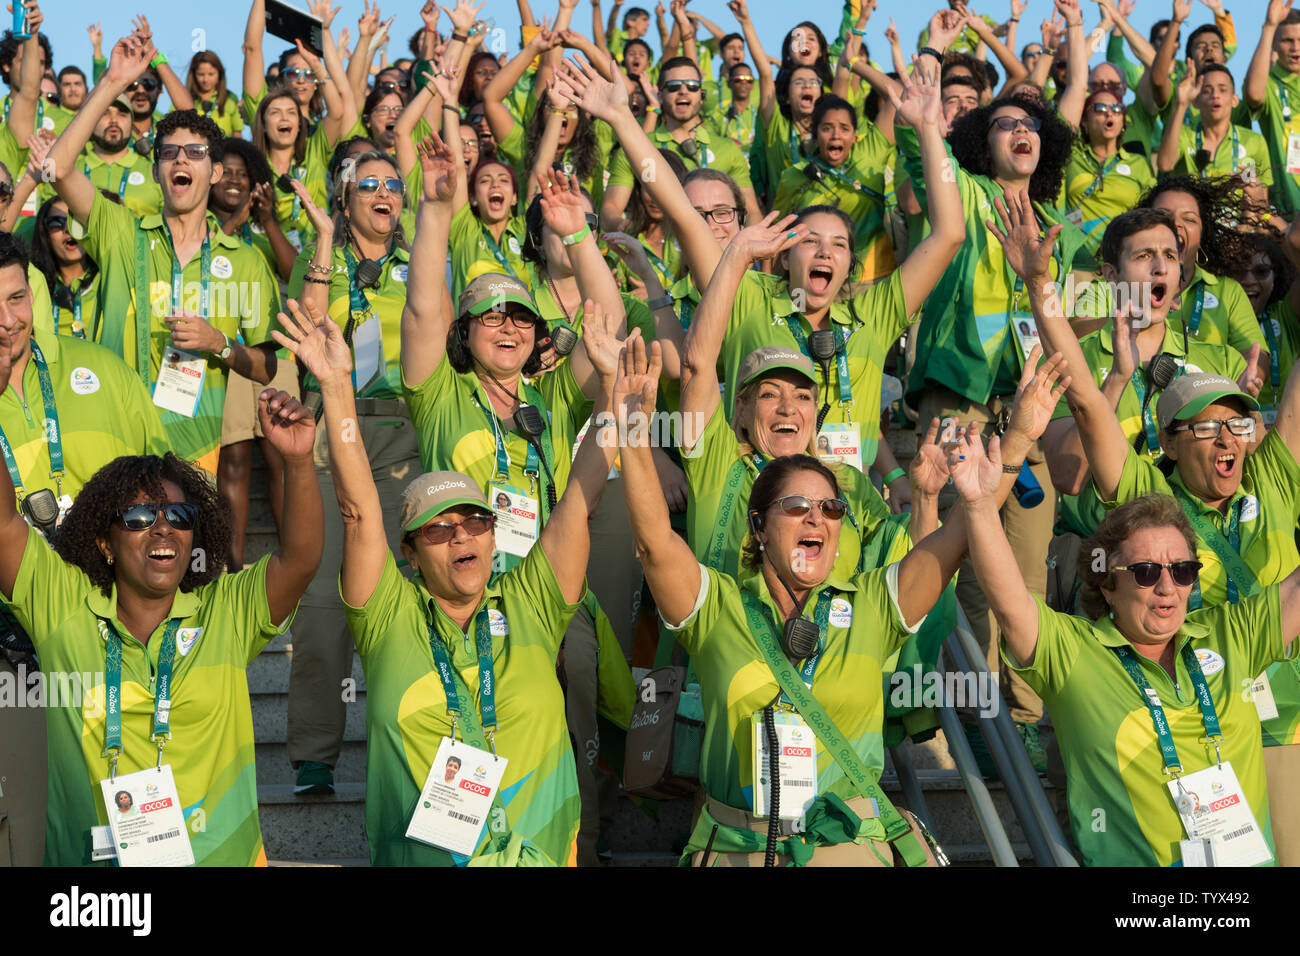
x: 583, y: 150
x: 767, y: 488
x: 190, y: 120
x: 969, y: 140
x: 1284, y: 273
x: 120, y: 484
x: 1227, y: 215
x: 9, y: 45
x: 1148, y: 511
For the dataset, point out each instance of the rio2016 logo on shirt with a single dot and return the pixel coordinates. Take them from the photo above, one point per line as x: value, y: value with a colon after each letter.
x: 221, y: 267
x: 399, y: 272
x: 1211, y: 662
x: 83, y: 381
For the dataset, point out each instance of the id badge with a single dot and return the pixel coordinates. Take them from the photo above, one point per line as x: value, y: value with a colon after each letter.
x: 797, y: 764
x: 1262, y: 694
x: 1213, y: 807
x: 456, y: 800
x: 1293, y: 154
x: 1075, y: 218
x: 368, y: 352
x: 180, y: 382
x: 295, y: 239
x: 518, y: 519
x: 144, y: 812
x: 1269, y: 414
x: 1026, y: 333
x: 101, y: 844
x: 841, y: 442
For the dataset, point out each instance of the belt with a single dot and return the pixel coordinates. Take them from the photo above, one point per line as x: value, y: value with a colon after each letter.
x: 729, y: 816
x: 368, y: 407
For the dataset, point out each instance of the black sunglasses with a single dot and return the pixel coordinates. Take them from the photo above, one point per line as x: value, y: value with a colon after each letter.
x: 146, y: 83
x: 6, y: 192
x: 57, y: 223
x: 1147, y: 573
x: 672, y: 86
x: 181, y: 515
x: 443, y: 531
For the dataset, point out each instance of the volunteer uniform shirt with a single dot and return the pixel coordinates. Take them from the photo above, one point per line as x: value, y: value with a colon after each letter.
x: 1279, y: 120
x: 310, y: 171
x: 1096, y: 191
x: 82, y: 319
x: 737, y: 125
x: 1226, y: 318
x: 386, y: 303
x: 474, y: 251
x: 873, y: 320
x: 130, y: 177
x: 1249, y: 158
x: 104, y: 413
x: 223, y: 626
x: 1266, y: 507
x: 1112, y: 757
x: 1281, y: 330
x: 244, y: 299
x: 406, y: 711
x: 227, y: 117
x: 864, y: 628
x: 720, y: 476
x: 777, y: 146
x: 713, y: 151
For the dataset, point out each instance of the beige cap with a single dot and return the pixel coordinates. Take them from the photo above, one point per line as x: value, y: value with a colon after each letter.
x: 494, y: 290
x: 433, y: 493
x: 770, y: 357
x: 1189, y: 395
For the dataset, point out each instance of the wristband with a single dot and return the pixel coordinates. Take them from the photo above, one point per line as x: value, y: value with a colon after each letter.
x: 316, y: 280
x: 1012, y: 469
x: 930, y: 51
x: 660, y: 302
x: 893, y: 476
x: 454, y: 109
x: 160, y: 58
x: 1013, y: 20
x: 577, y: 237
x: 857, y: 32
x: 462, y: 39
x: 850, y: 63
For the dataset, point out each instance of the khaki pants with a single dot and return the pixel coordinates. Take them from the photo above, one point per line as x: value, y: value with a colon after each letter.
x: 1029, y: 530
x: 322, y: 642
x: 872, y: 853
x: 24, y: 777
x: 1282, y: 765
x: 580, y: 682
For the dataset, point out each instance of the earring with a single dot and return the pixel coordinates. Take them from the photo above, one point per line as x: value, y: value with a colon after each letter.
x: 109, y: 559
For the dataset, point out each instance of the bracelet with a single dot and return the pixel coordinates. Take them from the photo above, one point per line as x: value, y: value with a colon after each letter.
x: 462, y: 39
x: 653, y: 109
x: 318, y: 270
x: 316, y: 280
x: 160, y: 58
x: 850, y: 63
x: 1012, y: 469
x: 577, y: 237
x: 893, y: 476
x: 660, y: 302
x: 1013, y: 20
x: 857, y: 32
x: 930, y: 51
x: 454, y: 109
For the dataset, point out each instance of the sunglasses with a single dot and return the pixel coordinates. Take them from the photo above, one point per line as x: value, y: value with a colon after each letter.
x: 194, y: 151
x: 1211, y: 428
x: 147, y: 83
x: 443, y: 531
x: 181, y: 515
x: 1147, y: 573
x: 297, y: 73
x: 390, y: 86
x: 57, y: 223
x: 742, y: 79
x: 797, y: 506
x: 6, y: 192
x: 371, y: 185
x: 494, y: 320
x: 1031, y: 123
x: 672, y: 86
x: 1104, y: 108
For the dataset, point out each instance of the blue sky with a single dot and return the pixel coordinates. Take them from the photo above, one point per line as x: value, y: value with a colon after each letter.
x: 180, y: 28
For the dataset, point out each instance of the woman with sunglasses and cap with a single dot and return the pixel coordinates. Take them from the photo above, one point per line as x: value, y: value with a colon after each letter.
x: 134, y: 591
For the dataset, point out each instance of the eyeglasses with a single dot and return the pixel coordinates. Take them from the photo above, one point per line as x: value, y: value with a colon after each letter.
x: 441, y: 532
x: 1104, y: 108
x: 146, y: 83
x: 181, y: 515
x: 672, y: 86
x: 395, y: 110
x: 390, y: 86
x: 371, y: 184
x: 1211, y: 428
x: 1106, y: 86
x: 297, y: 73
x: 474, y: 118
x: 6, y: 192
x: 722, y: 215
x: 796, y: 506
x: 1147, y: 573
x: 195, y: 151
x: 805, y: 84
x: 57, y: 223
x: 1031, y: 123
x: 1029, y: 53
x: 520, y: 320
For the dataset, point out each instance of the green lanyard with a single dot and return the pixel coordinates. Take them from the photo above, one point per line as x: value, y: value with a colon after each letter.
x: 121, y: 182
x: 1166, y: 739
x: 1100, y: 178
x: 1241, y: 581
x: 1195, y: 322
x: 841, y: 354
x: 796, y: 143
x: 113, y: 687
x: 1274, y: 359
x: 1140, y: 388
x: 1286, y: 109
x: 53, y: 436
x: 853, y: 184
x: 496, y: 250
x: 688, y: 310
x: 1206, y: 171
x: 358, y: 303
x: 40, y: 110
x: 821, y: 619
x: 78, y: 330
x: 178, y: 277
x: 531, y: 466
x: 666, y: 278
x: 451, y: 680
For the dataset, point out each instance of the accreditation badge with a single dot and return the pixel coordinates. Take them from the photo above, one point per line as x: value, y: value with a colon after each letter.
x: 368, y: 351
x: 1293, y: 154
x: 1026, y: 333
x: 797, y: 765
x: 144, y: 814
x: 180, y: 382
x: 1268, y: 412
x: 518, y: 519
x: 1075, y: 218
x: 840, y: 443
x: 1213, y: 807
x: 457, y: 797
x: 1261, y: 692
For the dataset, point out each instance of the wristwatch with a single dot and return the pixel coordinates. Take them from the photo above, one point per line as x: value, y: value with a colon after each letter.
x: 224, y: 354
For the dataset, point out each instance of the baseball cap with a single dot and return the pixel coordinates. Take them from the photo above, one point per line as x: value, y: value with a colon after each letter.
x: 770, y: 357
x: 433, y: 493
x: 1189, y: 395
x: 123, y: 104
x: 494, y: 290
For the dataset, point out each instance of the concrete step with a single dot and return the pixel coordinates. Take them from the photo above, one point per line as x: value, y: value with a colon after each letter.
x: 269, y: 671
x: 270, y: 714
x: 273, y: 766
x: 313, y: 829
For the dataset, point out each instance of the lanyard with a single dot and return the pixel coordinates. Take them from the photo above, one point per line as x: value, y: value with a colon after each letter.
x: 1195, y: 322
x: 1227, y: 549
x: 121, y: 182
x: 1166, y: 739
x: 113, y: 687
x: 178, y: 279
x: 841, y: 354
x: 854, y: 184
x: 688, y: 310
x: 666, y: 278
x: 496, y: 250
x: 1206, y: 171
x: 52, y: 434
x: 821, y: 619
x: 796, y: 143
x: 1139, y: 387
x: 1274, y: 359
x: 1286, y: 109
x: 78, y: 330
x: 451, y: 679
x: 40, y: 110
x: 503, y: 456
x: 1100, y: 178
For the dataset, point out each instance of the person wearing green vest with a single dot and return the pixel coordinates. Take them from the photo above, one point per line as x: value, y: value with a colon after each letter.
x: 68, y: 408
x: 1271, y: 92
x: 1263, y: 277
x: 357, y: 273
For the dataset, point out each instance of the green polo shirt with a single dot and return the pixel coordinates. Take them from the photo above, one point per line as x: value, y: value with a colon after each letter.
x: 85, y: 307
x: 244, y: 299
x: 223, y: 626
x: 228, y: 119
x: 739, y: 126
x: 130, y: 177
x: 714, y: 151
x: 865, y: 629
x: 1249, y: 158
x: 1227, y: 317
x: 474, y: 251
x: 777, y: 146
x: 1281, y: 330
x: 407, y: 718
x: 1279, y: 120
x: 873, y: 319
x: 720, y: 476
x: 1099, y: 191
x: 385, y: 302
x: 1121, y: 812
x: 103, y: 409
x: 1267, y: 505
x: 311, y: 172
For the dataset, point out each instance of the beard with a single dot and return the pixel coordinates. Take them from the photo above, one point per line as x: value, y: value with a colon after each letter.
x: 104, y: 145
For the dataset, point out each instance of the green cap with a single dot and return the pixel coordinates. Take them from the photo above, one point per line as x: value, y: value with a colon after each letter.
x: 494, y: 290
x: 433, y: 493
x: 1189, y: 395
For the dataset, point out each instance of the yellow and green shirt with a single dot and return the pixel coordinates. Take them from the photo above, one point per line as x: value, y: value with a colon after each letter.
x: 1225, y: 313
x: 1281, y: 330
x: 1095, y: 192
x: 1279, y: 120
x: 713, y: 151
x: 1241, y: 152
x: 474, y: 251
x: 228, y: 119
x: 130, y: 177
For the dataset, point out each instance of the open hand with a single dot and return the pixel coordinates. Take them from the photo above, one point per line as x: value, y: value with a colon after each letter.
x: 286, y: 423
x: 1027, y: 248
x: 317, y: 342
x: 1038, y: 394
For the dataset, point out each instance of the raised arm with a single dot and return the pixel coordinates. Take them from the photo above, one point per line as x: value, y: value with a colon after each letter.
x: 1015, y: 70
x: 1168, y: 154
x: 1076, y: 82
x: 1287, y: 424
x: 340, y: 104
x: 762, y: 68
x: 176, y: 90
x: 1141, y: 47
x: 254, y: 64
x: 1254, y: 88
x: 427, y: 314
x: 499, y: 87
x: 686, y: 30
x: 13, y: 528
x: 358, y: 69
x: 1162, y: 70
x: 27, y: 91
x: 315, y: 294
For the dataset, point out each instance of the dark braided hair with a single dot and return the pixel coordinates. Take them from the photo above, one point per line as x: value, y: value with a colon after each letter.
x: 1227, y: 216
x: 969, y: 140
x: 125, y: 481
